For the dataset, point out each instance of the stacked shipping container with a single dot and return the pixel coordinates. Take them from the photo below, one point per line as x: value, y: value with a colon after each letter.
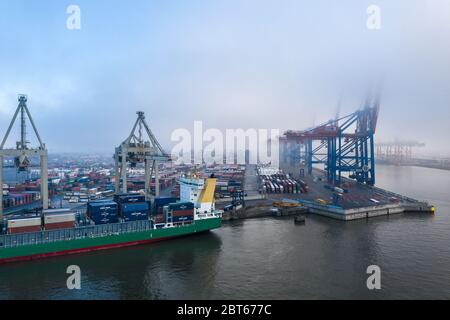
x: 25, y: 223
x: 158, y: 214
x: 50, y: 220
x: 181, y: 212
x: 132, y: 207
x: 18, y: 199
x: 102, y: 212
x: 58, y: 219
x: 134, y: 211
x: 282, y: 183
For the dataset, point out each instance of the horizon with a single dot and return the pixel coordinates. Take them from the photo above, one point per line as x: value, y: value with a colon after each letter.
x: 259, y: 64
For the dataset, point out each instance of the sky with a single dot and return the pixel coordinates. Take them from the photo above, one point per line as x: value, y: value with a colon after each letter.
x: 259, y: 64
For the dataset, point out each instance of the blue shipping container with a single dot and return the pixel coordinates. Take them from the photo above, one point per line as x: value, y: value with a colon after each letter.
x: 102, y: 210
x: 127, y: 207
x: 161, y: 202
x: 102, y: 205
x: 129, y: 198
x: 135, y: 215
x: 104, y: 214
x: 105, y: 220
x: 181, y: 206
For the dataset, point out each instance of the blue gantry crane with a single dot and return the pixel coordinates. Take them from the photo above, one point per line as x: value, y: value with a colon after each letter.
x: 344, y: 145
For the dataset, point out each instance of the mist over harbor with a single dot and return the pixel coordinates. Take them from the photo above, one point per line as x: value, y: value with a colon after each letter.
x: 231, y: 64
x: 224, y: 149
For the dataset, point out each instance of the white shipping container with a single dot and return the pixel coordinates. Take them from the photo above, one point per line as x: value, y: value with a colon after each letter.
x: 20, y: 223
x: 58, y: 218
x: 58, y: 210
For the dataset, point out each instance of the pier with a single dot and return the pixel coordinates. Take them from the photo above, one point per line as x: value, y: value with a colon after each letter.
x: 358, y: 201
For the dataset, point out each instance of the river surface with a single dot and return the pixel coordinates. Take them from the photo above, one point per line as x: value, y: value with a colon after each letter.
x: 270, y: 258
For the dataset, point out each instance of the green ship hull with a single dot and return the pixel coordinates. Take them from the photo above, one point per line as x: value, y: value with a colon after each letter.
x: 11, y: 253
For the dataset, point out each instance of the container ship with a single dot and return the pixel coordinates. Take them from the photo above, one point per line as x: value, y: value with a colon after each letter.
x: 126, y: 220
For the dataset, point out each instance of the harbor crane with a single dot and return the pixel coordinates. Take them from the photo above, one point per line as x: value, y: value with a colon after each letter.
x: 136, y: 150
x: 397, y: 151
x: 23, y: 153
x: 343, y: 145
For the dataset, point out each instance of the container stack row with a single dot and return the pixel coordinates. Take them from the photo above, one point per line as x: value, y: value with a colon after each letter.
x: 278, y: 182
x: 230, y: 178
x: 54, y: 219
x: 181, y: 212
x: 158, y: 214
x: 226, y: 188
x: 103, y: 212
x: 18, y: 199
x: 133, y: 207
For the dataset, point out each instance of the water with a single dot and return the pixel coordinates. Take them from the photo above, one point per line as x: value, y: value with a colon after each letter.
x: 270, y: 258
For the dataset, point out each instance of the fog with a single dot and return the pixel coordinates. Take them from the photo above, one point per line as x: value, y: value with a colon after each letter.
x: 229, y: 63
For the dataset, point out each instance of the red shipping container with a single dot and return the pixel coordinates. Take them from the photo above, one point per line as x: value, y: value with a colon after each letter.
x: 182, y: 213
x: 24, y: 229
x: 159, y: 218
x: 60, y: 225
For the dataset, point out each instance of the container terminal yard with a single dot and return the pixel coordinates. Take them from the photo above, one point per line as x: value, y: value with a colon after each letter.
x: 200, y: 153
x: 344, y: 188
x: 110, y: 217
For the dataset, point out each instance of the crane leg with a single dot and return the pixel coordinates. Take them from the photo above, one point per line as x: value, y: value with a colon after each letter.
x: 124, y: 175
x: 155, y: 164
x: 44, y: 181
x: 148, y: 178
x: 117, y: 173
x: 1, y: 188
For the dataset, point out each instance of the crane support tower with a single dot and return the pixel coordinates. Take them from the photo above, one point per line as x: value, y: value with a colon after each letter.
x: 343, y: 145
x: 397, y: 151
x: 136, y: 150
x: 22, y: 153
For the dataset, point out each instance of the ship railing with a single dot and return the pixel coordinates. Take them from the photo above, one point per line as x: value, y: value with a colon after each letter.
x: 209, y: 215
x: 94, y: 231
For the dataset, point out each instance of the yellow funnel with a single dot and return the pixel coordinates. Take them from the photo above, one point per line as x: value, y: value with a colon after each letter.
x: 207, y: 195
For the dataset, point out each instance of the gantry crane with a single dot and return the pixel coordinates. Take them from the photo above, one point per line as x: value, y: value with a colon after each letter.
x: 397, y: 151
x: 135, y: 150
x: 22, y: 153
x: 342, y: 145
